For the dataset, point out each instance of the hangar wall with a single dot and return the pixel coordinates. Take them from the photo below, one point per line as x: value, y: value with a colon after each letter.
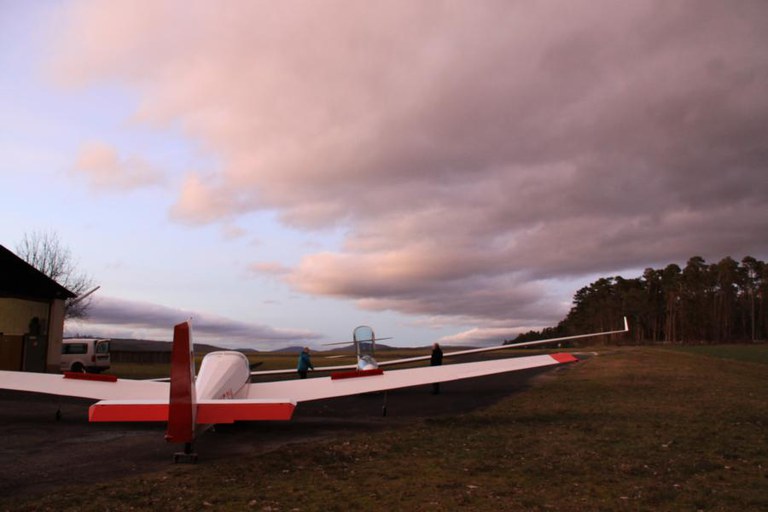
x: 16, y: 315
x: 31, y: 316
x: 20, y: 334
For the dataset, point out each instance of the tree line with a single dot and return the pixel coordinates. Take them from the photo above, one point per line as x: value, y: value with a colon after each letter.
x: 700, y: 303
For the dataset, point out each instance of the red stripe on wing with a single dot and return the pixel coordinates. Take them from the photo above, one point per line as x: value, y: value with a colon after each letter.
x: 90, y: 376
x: 356, y: 373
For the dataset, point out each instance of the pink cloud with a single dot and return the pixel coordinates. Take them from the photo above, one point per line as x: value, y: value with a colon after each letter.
x: 269, y: 268
x: 469, y: 150
x: 103, y: 168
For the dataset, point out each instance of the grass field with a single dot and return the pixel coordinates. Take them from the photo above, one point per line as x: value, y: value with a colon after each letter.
x: 629, y: 429
x: 749, y: 353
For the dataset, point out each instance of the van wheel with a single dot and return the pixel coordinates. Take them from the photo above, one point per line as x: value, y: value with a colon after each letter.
x: 78, y: 368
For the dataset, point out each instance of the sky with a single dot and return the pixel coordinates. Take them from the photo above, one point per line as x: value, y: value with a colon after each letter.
x: 281, y: 172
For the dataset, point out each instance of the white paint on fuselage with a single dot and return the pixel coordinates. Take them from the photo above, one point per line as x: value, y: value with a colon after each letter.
x: 223, y: 375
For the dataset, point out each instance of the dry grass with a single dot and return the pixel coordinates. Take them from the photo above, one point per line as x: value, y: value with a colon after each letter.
x: 630, y: 429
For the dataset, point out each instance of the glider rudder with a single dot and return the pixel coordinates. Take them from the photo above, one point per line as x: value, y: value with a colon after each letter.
x: 181, y: 410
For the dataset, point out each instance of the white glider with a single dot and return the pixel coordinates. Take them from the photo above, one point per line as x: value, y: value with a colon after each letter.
x: 221, y: 392
x: 365, y: 345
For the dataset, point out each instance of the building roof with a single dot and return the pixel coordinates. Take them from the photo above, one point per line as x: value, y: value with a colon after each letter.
x: 21, y: 280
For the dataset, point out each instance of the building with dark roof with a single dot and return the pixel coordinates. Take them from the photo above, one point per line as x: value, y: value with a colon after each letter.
x: 31, y: 316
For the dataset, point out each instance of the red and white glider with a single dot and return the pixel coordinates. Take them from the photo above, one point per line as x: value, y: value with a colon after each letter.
x: 221, y: 392
x: 365, y: 347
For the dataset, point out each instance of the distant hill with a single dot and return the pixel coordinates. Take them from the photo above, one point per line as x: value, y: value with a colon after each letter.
x: 130, y: 345
x: 135, y: 345
x: 379, y: 346
x: 295, y: 348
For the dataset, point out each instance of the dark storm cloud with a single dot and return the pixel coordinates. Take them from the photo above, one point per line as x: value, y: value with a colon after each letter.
x: 157, y: 322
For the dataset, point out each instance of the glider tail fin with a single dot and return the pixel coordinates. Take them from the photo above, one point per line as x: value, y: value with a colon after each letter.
x: 182, y: 401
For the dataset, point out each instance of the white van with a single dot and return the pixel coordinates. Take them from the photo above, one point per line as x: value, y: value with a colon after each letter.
x: 85, y: 355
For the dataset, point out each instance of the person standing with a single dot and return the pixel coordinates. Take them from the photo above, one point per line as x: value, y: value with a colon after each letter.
x: 436, y: 359
x: 305, y: 363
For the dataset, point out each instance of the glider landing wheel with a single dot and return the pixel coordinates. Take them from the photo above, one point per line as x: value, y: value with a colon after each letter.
x: 187, y: 456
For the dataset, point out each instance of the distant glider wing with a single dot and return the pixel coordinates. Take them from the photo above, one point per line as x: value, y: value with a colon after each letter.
x: 504, y: 347
x: 304, y: 390
x: 406, y: 360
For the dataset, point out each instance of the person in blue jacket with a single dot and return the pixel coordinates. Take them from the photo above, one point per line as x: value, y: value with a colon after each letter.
x: 305, y: 363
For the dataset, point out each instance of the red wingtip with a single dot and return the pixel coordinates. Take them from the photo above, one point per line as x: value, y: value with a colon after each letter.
x: 563, y: 357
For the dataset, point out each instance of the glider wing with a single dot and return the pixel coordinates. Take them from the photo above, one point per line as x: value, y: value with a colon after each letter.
x: 511, y: 345
x: 304, y: 390
x: 84, y: 385
x: 455, y: 353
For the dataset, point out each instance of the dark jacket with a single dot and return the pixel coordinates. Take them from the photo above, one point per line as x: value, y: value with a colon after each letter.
x: 437, y: 357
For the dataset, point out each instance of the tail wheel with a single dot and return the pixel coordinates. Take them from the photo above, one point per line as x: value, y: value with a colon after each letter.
x: 78, y: 368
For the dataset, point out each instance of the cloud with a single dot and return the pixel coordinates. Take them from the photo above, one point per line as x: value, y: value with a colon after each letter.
x: 112, y: 317
x: 103, y: 168
x: 269, y: 268
x: 474, y: 153
x: 478, y: 336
